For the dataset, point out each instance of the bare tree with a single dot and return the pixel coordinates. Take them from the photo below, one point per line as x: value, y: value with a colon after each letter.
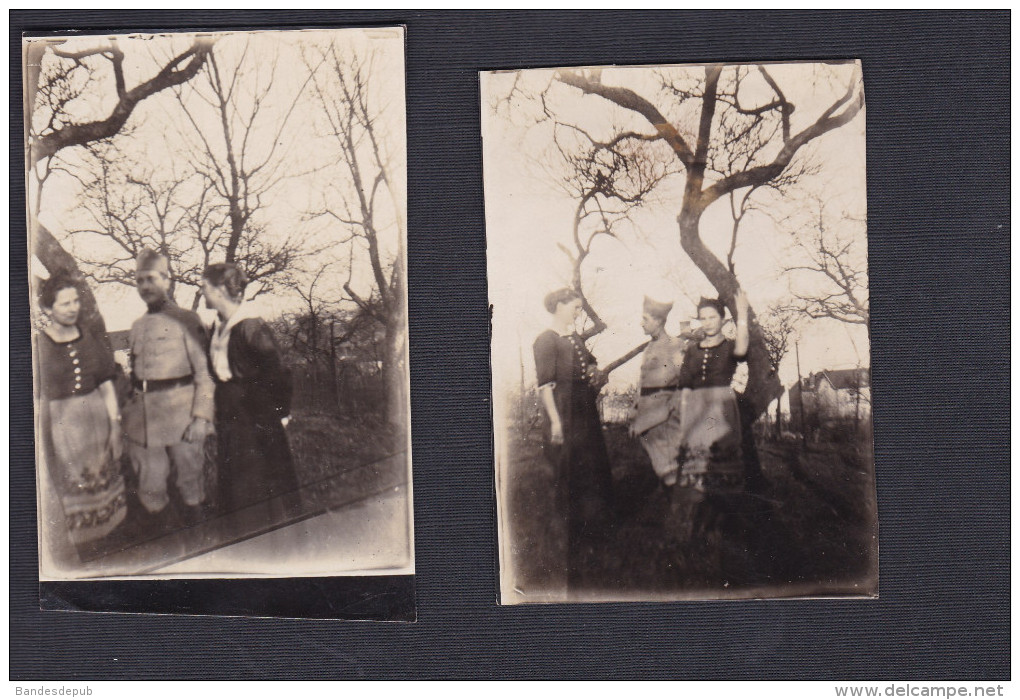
x: 55, y: 79
x: 128, y: 206
x: 835, y: 258
x: 368, y: 208
x: 333, y: 336
x: 125, y: 207
x: 609, y: 181
x: 315, y: 309
x: 235, y: 146
x: 77, y: 74
x: 311, y: 331
x: 725, y: 144
x: 777, y: 327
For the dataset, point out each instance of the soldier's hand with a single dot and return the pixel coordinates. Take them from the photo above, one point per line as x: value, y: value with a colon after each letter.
x: 114, y: 444
x: 197, y: 430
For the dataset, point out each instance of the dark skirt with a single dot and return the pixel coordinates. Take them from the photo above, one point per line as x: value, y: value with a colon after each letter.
x: 583, y: 482
x: 255, y: 463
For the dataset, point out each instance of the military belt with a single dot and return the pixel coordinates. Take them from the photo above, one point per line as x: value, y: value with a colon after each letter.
x: 647, y: 390
x: 147, y: 385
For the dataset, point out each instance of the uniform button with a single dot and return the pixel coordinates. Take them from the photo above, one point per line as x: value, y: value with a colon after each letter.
x: 74, y: 361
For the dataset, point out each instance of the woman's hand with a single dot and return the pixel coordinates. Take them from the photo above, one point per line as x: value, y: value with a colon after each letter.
x: 545, y: 392
x: 114, y: 444
x: 743, y: 338
x: 742, y: 304
x: 556, y: 430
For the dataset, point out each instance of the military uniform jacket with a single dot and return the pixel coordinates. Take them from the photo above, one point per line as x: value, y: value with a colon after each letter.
x: 168, y: 343
x: 660, y: 367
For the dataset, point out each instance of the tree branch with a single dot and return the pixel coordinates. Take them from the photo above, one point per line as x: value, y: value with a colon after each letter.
x: 78, y: 134
x: 628, y: 99
x: 762, y: 174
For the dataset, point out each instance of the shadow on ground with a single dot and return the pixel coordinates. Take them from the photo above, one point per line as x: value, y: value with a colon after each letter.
x: 810, y: 529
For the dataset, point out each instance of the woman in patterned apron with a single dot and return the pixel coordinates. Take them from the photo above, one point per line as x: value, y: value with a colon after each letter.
x: 80, y: 416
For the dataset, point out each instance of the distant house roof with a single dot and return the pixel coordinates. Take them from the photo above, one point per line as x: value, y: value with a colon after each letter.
x: 857, y: 378
x: 848, y: 378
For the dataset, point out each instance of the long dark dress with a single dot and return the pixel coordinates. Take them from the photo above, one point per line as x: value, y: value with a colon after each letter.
x: 581, y: 463
x: 254, y: 457
x: 77, y: 432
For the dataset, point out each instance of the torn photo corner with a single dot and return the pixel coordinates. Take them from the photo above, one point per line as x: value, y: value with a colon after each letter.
x: 220, y: 318
x: 677, y: 266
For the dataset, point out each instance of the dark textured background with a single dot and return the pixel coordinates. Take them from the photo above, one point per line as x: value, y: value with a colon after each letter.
x: 937, y: 86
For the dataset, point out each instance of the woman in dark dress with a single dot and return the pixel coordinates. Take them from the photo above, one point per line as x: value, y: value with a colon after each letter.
x: 80, y: 417
x: 711, y: 468
x: 569, y: 382
x: 253, y: 393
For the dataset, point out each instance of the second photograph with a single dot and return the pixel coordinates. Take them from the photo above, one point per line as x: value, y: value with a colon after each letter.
x: 677, y: 262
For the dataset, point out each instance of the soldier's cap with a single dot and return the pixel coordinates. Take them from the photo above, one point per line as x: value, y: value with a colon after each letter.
x: 658, y: 309
x: 151, y: 260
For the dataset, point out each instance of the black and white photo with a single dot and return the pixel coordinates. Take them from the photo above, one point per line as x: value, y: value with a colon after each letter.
x: 217, y: 259
x: 677, y: 261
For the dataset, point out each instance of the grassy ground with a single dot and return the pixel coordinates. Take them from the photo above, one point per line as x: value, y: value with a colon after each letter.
x: 810, y: 528
x: 326, y: 446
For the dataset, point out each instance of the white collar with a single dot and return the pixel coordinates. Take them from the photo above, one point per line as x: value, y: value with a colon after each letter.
x: 244, y: 311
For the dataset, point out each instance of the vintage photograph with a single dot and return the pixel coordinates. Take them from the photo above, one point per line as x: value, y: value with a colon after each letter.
x: 217, y: 263
x: 677, y: 262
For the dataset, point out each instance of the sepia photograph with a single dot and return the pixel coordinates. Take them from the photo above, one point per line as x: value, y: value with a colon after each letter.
x: 680, y: 348
x: 217, y: 267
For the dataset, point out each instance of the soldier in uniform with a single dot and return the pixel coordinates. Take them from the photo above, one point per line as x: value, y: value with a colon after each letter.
x: 655, y: 418
x: 170, y: 413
